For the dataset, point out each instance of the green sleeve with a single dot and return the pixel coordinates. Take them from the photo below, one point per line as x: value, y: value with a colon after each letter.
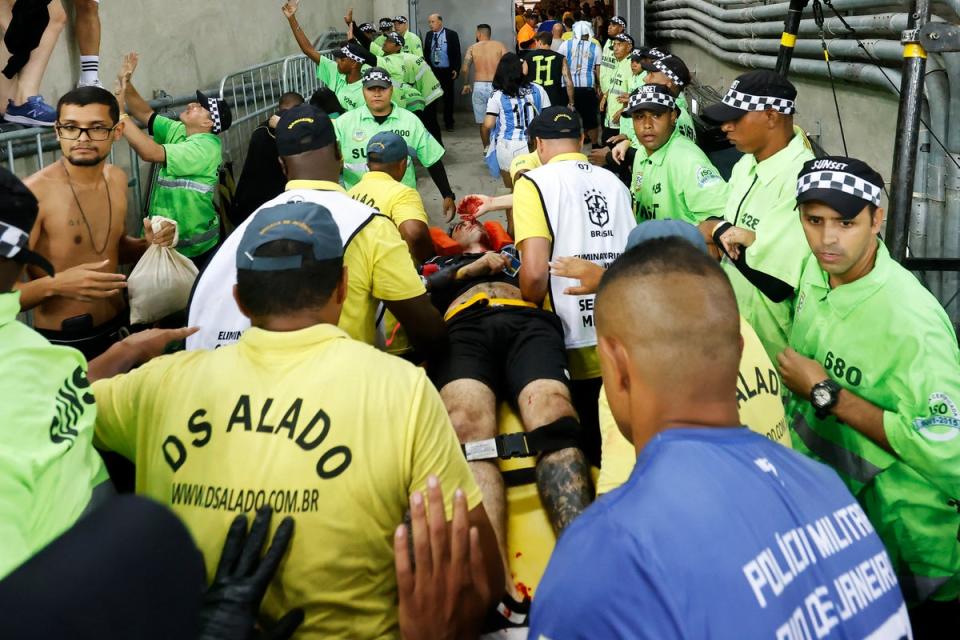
x: 428, y: 149
x: 15, y: 497
x: 705, y: 193
x: 327, y: 72
x: 923, y: 426
x: 166, y: 130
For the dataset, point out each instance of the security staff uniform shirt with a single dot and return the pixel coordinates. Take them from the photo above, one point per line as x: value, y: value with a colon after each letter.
x: 758, y: 399
x: 397, y: 201
x: 355, y: 128
x: 49, y: 471
x: 379, y: 263
x: 426, y: 82
x: 607, y: 205
x: 322, y: 428
x: 677, y: 181
x: 186, y: 182
x: 763, y: 199
x: 720, y: 534
x: 618, y: 85
x: 886, y: 339
x: 608, y: 63
x: 412, y: 44
x: 350, y: 94
x: 525, y: 162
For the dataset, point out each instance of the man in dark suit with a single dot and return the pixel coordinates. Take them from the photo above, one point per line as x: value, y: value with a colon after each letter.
x: 441, y: 48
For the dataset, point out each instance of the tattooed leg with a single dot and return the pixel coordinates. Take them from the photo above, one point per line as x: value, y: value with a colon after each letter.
x: 563, y: 477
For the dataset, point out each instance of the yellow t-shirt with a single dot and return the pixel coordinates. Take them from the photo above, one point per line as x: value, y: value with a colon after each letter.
x: 525, y: 162
x: 323, y: 428
x: 758, y: 397
x: 530, y: 221
x: 393, y: 199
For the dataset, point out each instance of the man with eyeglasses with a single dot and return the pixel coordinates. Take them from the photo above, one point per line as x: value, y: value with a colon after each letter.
x: 81, y: 229
x: 189, y: 153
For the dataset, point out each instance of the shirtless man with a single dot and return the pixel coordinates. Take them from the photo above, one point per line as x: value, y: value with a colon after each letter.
x: 484, y: 56
x: 502, y: 347
x: 81, y: 229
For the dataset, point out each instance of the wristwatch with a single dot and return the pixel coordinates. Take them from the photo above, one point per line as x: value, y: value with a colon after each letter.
x: 824, y: 397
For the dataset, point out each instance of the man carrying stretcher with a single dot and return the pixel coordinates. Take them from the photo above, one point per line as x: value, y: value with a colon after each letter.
x: 505, y: 348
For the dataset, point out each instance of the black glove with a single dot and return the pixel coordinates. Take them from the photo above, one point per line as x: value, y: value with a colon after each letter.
x: 232, y: 602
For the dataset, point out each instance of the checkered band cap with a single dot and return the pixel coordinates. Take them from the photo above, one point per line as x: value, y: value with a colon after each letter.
x: 375, y: 74
x: 368, y: 27
x: 667, y: 71
x: 12, y: 240
x: 840, y: 181
x: 345, y: 50
x: 653, y: 52
x: 214, y: 107
x: 400, y: 19
x: 386, y: 23
x: 623, y: 37
x: 396, y: 38
x: 750, y: 102
x: 650, y: 95
x: 619, y: 20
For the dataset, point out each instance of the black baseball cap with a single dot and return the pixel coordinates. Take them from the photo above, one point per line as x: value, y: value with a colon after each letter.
x: 219, y: 112
x: 18, y: 212
x: 368, y: 27
x: 672, y: 67
x: 304, y: 128
x: 386, y: 24
x: 846, y: 185
x: 376, y: 77
x: 650, y: 97
x: 754, y: 91
x: 354, y: 52
x: 555, y: 123
x: 306, y: 222
x: 396, y: 38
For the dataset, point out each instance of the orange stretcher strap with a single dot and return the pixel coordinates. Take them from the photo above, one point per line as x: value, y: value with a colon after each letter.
x: 484, y: 300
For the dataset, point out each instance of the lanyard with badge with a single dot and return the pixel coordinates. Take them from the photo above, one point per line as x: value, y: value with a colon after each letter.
x: 436, y: 47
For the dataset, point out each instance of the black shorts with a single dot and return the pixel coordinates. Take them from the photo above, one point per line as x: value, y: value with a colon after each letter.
x: 586, y: 102
x: 505, y: 348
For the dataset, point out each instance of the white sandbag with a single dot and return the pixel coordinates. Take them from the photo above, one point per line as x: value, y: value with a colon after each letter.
x: 161, y: 281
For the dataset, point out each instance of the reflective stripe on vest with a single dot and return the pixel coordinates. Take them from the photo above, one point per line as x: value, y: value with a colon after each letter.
x: 841, y: 459
x: 182, y: 183
x: 199, y: 238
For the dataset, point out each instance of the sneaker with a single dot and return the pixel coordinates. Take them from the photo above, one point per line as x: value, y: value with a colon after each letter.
x: 95, y: 83
x: 34, y: 112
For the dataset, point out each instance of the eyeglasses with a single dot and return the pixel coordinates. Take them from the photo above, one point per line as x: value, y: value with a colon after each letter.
x: 97, y: 134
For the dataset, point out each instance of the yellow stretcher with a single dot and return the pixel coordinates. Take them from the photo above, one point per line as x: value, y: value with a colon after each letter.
x: 530, y: 538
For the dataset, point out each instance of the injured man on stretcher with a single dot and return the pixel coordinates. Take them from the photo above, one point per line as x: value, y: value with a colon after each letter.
x: 505, y: 348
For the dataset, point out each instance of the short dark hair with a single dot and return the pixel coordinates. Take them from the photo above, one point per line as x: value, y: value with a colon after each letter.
x: 82, y: 96
x: 326, y: 100
x: 289, y: 99
x: 264, y: 293
x: 662, y: 256
x: 568, y: 22
x: 485, y: 28
x: 545, y: 37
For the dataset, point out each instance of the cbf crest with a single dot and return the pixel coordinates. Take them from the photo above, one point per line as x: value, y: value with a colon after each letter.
x: 597, y: 209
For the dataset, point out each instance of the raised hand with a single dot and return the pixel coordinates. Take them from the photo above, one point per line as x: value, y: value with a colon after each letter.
x: 290, y: 8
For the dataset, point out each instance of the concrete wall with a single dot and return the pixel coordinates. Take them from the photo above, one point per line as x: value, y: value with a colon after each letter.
x: 869, y: 114
x: 184, y: 44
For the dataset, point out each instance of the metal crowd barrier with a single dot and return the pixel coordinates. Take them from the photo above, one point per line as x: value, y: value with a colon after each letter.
x: 253, y: 93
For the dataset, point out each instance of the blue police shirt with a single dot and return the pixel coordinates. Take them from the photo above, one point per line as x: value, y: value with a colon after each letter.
x: 721, y: 533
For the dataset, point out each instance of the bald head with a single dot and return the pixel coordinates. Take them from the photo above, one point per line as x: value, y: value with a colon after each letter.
x: 669, y: 338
